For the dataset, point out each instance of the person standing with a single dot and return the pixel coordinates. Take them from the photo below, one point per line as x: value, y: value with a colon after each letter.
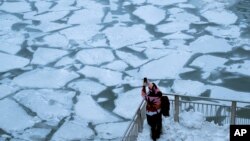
x: 153, y: 107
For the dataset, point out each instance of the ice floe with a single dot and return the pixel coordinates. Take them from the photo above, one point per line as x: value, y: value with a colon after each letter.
x: 188, y: 87
x: 178, y: 36
x: 45, y: 78
x: 73, y: 130
x: 120, y: 36
x: 209, y: 44
x: 89, y: 110
x: 111, y: 131
x: 87, y: 87
x: 53, y: 105
x: 152, y: 53
x: 150, y: 14
x: 50, y: 16
x: 127, y: 109
x: 117, y: 65
x: 230, y: 31
x: 65, y: 61
x: 9, y: 122
x: 157, y: 44
x: 166, y: 67
x: 172, y: 27
x: 15, y: 7
x: 105, y: 76
x: 131, y: 59
x: 33, y: 134
x: 241, y: 68
x: 95, y: 56
x: 9, y: 62
x: 180, y: 15
x: 209, y: 63
x: 43, y: 56
x: 220, y: 16
x: 6, y: 89
x: 56, y: 40
x: 11, y: 42
x: 43, y: 6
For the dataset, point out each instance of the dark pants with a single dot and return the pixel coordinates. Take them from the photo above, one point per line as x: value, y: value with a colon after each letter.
x: 155, y: 122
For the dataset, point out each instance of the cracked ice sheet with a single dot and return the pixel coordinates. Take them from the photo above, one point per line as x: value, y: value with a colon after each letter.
x: 178, y: 36
x: 188, y: 87
x: 111, y: 131
x: 33, y: 134
x: 15, y: 7
x: 182, y: 16
x: 117, y: 65
x: 6, y: 21
x: 95, y: 56
x: 96, y: 115
x: 81, y: 33
x: 45, y: 78
x: 107, y: 77
x: 43, y: 6
x: 76, y: 129
x: 45, y: 17
x: 230, y: 31
x: 56, y: 40
x: 220, y: 16
x: 172, y: 27
x: 209, y: 44
x: 9, y: 122
x: 87, y: 87
x: 11, y: 42
x: 6, y: 90
x: 43, y: 56
x: 120, y: 36
x: 131, y: 59
x: 241, y: 68
x: 53, y: 104
x: 146, y: 12
x: 121, y: 107
x: 171, y: 65
x: 228, y: 94
x: 9, y: 62
x: 165, y: 2
x: 209, y: 63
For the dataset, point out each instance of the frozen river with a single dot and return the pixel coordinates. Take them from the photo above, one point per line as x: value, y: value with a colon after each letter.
x: 72, y: 70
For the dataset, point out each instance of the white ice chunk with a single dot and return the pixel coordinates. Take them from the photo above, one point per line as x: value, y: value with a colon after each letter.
x: 165, y: 2
x: 182, y: 5
x: 45, y: 78
x: 228, y: 94
x: 73, y: 130
x: 166, y: 67
x: 196, y: 121
x: 208, y: 44
x: 81, y: 33
x: 49, y: 104
x: 131, y: 59
x: 65, y: 61
x: 180, y: 15
x: 87, y: 86
x: 127, y: 109
x: 13, y: 117
x: 11, y: 42
x: 158, y: 44
x: 241, y: 68
x: 231, y: 31
x: 209, y: 63
x: 43, y: 6
x: 99, y: 100
x: 178, y: 36
x: 120, y: 36
x: 112, y: 131
x: 9, y: 62
x: 172, y: 27
x: 95, y: 56
x: 90, y: 111
x: 7, y: 20
x: 138, y: 2
x: 117, y: 65
x: 107, y: 77
x: 220, y: 16
x: 48, y: 26
x: 15, y: 7
x: 98, y: 40
x: 56, y: 40
x: 188, y: 87
x: 6, y: 90
x: 150, y: 14
x: 43, y: 56
x: 152, y: 53
x: 33, y: 134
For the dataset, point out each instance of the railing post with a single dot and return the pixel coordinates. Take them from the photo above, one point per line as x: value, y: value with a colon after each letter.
x: 233, y: 112
x: 176, y: 108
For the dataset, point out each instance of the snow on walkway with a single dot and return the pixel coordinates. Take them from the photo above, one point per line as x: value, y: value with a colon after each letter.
x: 192, y: 127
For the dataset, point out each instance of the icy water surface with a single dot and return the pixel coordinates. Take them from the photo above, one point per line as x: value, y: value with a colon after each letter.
x: 72, y: 70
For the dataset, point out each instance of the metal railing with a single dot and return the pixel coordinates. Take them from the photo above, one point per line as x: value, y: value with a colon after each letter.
x: 220, y: 111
